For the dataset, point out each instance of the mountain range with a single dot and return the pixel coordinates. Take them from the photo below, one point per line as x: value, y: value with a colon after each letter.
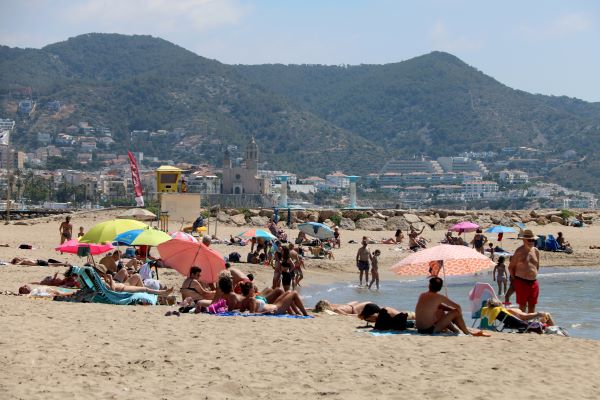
x: 310, y: 119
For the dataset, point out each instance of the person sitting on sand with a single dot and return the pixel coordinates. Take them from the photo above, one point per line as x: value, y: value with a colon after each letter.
x: 351, y: 308
x: 562, y: 242
x: 286, y: 303
x: 224, y: 292
x: 81, y: 232
x: 125, y: 287
x: 251, y: 296
x: 435, y: 313
x: 112, y: 262
x: 191, y: 286
x: 413, y: 239
x: 337, y: 240
x: 449, y: 239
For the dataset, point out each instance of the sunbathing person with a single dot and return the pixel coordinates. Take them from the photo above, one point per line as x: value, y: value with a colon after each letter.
x: 70, y: 280
x: 191, y: 287
x: 435, y: 313
x: 43, y: 263
x: 251, y: 300
x: 544, y: 317
x: 224, y: 292
x: 385, y: 318
x: 123, y: 287
x: 351, y: 308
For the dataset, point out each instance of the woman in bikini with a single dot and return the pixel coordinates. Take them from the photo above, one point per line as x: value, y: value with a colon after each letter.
x: 191, y: 287
x: 352, y: 308
x: 254, y: 302
x: 121, y: 287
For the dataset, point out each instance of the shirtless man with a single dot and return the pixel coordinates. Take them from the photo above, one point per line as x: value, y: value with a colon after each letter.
x: 363, y: 255
x: 435, y: 313
x: 66, y: 230
x: 111, y: 261
x: 523, y: 269
x: 413, y: 244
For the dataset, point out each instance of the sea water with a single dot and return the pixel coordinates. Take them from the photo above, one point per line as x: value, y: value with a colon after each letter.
x: 571, y: 295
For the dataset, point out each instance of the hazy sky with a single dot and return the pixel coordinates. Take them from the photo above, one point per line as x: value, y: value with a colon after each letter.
x: 543, y: 46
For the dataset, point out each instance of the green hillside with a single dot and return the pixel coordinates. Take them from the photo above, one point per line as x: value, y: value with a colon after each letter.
x: 308, y: 118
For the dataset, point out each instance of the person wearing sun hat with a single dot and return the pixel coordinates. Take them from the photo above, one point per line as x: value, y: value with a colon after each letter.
x: 523, y: 269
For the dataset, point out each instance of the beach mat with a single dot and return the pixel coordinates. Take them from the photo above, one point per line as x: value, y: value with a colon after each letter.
x: 238, y: 314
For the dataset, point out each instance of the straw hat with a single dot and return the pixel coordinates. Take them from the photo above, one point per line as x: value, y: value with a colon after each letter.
x: 527, y: 235
x: 101, y: 268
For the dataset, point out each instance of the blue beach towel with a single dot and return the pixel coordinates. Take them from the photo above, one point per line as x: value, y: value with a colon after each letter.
x: 92, y: 282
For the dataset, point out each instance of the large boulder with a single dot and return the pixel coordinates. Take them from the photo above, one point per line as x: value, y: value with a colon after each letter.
x: 266, y: 212
x: 313, y: 217
x: 541, y: 221
x: 347, y: 223
x: 327, y: 214
x: 411, y: 218
x: 442, y: 213
x: 239, y: 219
x: 557, y: 219
x: 439, y: 226
x: 223, y: 217
x: 259, y: 221
x: 254, y: 213
x: 370, y: 224
x: 429, y: 220
x: 380, y: 216
x: 352, y: 214
x: 420, y: 225
x: 395, y: 223
x: 458, y: 213
x: 388, y: 213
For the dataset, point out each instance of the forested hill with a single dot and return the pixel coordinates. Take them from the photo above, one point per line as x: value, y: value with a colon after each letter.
x: 433, y: 104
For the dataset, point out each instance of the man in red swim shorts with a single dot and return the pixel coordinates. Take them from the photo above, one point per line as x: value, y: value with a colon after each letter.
x: 523, y: 269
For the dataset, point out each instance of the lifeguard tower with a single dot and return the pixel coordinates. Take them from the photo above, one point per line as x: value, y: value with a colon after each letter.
x: 167, y: 179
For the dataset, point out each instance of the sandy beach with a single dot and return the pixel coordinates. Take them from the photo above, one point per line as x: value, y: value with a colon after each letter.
x: 51, y: 350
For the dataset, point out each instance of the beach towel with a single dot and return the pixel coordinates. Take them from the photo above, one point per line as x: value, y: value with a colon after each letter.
x: 239, y: 314
x: 410, y: 332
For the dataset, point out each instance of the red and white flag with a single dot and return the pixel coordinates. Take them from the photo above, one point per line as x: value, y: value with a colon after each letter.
x: 135, y: 178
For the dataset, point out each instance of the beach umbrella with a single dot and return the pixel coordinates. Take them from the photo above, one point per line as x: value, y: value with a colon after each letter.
x: 138, y: 214
x: 142, y: 237
x: 454, y: 260
x: 316, y: 229
x: 73, y: 246
x: 182, y: 255
x: 465, y: 226
x: 257, y: 233
x: 107, y: 231
x: 183, y: 236
x: 500, y: 229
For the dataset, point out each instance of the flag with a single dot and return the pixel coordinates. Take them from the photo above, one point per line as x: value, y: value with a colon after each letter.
x: 4, y: 136
x: 135, y: 178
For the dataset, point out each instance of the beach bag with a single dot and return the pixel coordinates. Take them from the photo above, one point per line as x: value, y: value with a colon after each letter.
x: 234, y: 257
x: 25, y: 246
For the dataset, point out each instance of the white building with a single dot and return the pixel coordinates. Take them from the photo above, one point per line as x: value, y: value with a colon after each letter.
x: 514, y: 177
x: 480, y: 190
x: 338, y: 180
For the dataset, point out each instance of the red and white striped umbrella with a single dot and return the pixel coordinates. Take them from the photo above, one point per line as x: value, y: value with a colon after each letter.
x: 455, y: 260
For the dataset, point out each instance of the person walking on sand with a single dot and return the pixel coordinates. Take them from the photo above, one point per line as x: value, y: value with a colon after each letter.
x: 523, y: 269
x: 500, y: 276
x: 375, y: 268
x: 362, y: 261
x: 66, y: 230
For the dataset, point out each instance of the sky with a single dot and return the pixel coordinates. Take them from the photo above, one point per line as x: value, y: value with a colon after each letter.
x: 540, y: 46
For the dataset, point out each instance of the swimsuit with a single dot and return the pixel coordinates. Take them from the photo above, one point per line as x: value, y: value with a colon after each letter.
x: 192, y: 289
x: 426, y: 331
x: 527, y: 290
x: 363, y: 265
x: 260, y: 304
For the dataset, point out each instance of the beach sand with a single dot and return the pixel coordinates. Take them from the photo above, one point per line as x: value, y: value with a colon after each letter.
x: 51, y: 350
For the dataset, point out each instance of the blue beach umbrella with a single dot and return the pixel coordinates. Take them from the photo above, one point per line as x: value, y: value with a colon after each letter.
x: 316, y: 229
x: 139, y: 237
x: 500, y: 229
x: 257, y: 233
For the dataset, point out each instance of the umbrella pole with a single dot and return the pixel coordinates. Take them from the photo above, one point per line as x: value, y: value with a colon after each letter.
x: 446, y: 285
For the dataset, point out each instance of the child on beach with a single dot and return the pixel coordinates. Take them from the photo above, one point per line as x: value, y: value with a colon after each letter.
x: 491, y: 250
x: 81, y: 232
x: 500, y: 275
x: 374, y: 268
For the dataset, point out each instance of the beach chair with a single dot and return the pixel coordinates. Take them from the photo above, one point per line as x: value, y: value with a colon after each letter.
x: 90, y: 280
x: 478, y: 297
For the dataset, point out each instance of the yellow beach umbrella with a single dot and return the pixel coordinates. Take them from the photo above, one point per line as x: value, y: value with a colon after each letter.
x: 108, y: 230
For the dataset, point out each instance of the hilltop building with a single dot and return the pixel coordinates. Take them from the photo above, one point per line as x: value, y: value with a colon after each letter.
x: 244, y: 178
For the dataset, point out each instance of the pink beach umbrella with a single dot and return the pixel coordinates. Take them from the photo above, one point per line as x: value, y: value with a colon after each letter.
x: 183, y: 236
x: 465, y: 226
x: 454, y: 260
x: 182, y: 255
x: 72, y: 247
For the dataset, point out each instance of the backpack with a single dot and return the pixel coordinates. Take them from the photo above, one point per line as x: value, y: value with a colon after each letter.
x: 234, y: 257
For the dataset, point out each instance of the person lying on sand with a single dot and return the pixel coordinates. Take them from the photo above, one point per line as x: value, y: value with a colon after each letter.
x: 31, y: 262
x: 351, y: 308
x: 436, y: 313
x: 70, y: 280
x: 126, y: 287
x: 385, y: 318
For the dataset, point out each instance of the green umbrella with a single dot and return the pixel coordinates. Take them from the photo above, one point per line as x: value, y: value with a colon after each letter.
x: 108, y: 230
x: 143, y: 237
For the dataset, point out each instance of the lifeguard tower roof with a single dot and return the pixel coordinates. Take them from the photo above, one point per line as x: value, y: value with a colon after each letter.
x: 168, y: 168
